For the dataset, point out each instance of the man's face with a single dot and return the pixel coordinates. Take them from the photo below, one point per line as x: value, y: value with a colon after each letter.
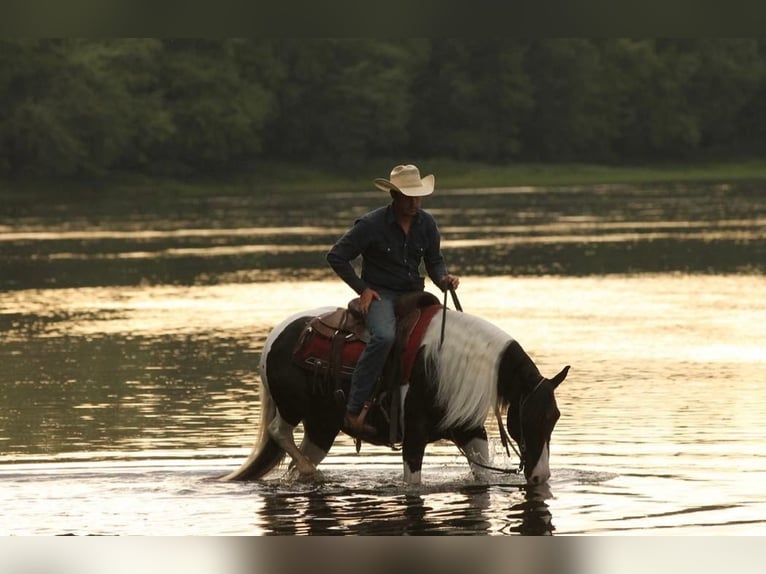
x: 405, y: 205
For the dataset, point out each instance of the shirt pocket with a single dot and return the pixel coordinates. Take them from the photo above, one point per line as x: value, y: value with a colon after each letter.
x: 381, y: 249
x: 416, y: 249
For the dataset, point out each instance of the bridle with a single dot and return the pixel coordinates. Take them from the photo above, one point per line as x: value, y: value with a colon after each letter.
x: 521, y: 451
x: 522, y: 403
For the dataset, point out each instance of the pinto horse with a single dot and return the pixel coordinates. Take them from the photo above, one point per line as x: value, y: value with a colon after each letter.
x: 461, y: 374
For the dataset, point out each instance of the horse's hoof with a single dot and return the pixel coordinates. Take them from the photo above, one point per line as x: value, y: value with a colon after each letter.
x: 313, y: 477
x: 293, y: 474
x: 412, y: 478
x: 306, y: 469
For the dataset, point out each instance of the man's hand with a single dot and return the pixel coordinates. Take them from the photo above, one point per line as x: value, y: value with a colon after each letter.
x: 450, y: 282
x: 365, y: 300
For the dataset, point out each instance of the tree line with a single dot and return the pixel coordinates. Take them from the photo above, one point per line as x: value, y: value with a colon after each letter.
x: 71, y: 107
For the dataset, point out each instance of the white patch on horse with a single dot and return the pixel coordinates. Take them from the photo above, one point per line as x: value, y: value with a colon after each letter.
x: 410, y: 477
x: 477, y: 451
x: 402, y: 397
x: 542, y: 471
x: 277, y: 331
x: 280, y: 429
x: 312, y: 451
x: 466, y: 366
x: 282, y: 433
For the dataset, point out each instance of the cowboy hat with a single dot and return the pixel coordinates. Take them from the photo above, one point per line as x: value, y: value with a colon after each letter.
x: 406, y: 179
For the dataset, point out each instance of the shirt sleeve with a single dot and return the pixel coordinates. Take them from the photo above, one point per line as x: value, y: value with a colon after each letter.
x: 433, y: 258
x: 346, y: 249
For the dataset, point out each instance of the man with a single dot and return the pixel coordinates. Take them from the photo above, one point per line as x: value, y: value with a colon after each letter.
x: 392, y: 241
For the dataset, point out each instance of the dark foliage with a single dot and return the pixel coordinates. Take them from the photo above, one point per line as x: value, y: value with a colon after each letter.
x: 179, y: 107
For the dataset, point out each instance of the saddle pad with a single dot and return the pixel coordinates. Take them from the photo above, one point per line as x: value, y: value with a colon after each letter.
x: 415, y: 340
x: 315, y: 350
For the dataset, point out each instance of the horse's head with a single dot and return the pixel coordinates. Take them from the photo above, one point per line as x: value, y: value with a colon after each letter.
x: 531, y: 420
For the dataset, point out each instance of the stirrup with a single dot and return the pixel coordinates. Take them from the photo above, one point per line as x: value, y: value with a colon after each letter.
x: 356, y: 427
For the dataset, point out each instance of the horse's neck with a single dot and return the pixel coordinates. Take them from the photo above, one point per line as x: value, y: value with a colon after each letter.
x: 517, y: 374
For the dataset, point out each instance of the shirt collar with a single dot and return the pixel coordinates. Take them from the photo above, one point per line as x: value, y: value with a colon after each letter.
x: 391, y: 216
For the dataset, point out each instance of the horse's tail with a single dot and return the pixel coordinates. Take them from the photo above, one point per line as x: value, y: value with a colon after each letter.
x: 266, y: 453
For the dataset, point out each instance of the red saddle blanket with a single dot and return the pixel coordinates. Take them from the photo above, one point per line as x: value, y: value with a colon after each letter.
x: 335, y: 352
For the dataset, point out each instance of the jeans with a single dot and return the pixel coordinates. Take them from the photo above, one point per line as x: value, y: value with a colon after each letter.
x: 381, y: 324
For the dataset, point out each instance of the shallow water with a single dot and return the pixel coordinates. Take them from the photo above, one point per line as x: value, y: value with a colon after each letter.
x: 130, y: 338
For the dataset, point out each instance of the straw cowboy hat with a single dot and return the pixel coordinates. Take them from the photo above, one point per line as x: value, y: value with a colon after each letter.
x: 406, y: 179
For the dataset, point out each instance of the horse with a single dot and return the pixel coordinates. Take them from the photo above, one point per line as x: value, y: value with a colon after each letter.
x: 465, y: 368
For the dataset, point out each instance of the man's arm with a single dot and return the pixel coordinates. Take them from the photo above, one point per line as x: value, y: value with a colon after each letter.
x: 434, y: 261
x: 340, y: 256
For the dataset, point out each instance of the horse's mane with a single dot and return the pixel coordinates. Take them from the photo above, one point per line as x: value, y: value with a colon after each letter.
x: 465, y: 368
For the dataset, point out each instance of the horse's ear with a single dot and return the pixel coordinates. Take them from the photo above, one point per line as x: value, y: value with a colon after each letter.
x: 558, y: 379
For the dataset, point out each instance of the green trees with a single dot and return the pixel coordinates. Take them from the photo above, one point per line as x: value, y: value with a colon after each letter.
x: 727, y: 76
x: 76, y: 107
x: 471, y: 99
x: 70, y: 107
x: 216, y: 101
x: 576, y: 104
x: 35, y: 129
x: 344, y: 100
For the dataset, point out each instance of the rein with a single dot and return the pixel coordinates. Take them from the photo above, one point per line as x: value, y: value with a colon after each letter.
x: 504, y: 439
x: 522, y: 402
x: 522, y: 442
x: 458, y: 306
x: 493, y: 468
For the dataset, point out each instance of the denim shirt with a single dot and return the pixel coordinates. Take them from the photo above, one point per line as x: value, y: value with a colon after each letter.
x: 390, y: 259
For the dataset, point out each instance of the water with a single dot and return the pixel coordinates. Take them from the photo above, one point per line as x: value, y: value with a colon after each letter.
x: 130, y: 331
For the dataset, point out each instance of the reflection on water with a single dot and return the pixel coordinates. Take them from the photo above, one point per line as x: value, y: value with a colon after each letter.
x: 127, y: 388
x: 467, y: 509
x: 519, y: 231
x: 660, y: 429
x: 108, y: 497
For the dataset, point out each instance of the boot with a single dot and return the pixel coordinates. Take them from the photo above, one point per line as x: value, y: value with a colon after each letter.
x: 355, y: 423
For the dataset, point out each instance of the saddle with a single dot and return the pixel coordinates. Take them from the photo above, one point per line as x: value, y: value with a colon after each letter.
x: 330, y: 345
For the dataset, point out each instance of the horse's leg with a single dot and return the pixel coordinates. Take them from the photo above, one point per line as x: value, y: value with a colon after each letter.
x: 413, y: 449
x: 282, y: 433
x: 311, y: 451
x: 415, y: 436
x: 320, y: 430
x: 475, y: 446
